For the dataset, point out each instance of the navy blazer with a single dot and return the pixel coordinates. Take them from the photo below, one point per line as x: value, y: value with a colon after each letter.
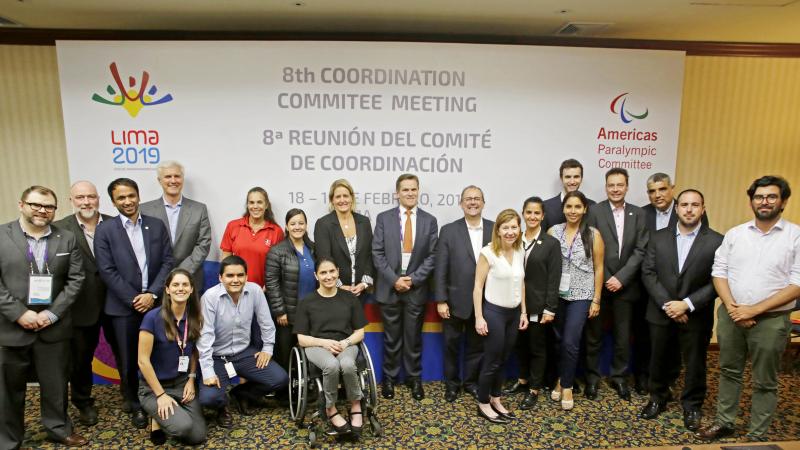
x: 665, y: 283
x: 119, y: 269
x: 554, y: 213
x: 388, y: 259
x: 454, y: 276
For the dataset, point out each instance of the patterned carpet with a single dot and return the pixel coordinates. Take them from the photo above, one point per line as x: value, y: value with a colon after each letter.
x: 435, y: 424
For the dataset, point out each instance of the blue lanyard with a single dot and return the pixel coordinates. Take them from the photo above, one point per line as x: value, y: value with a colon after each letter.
x: 32, y: 258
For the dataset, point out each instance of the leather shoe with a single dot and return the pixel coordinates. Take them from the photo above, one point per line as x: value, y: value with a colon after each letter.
x: 387, y: 389
x: 416, y: 389
x: 450, y: 394
x: 497, y: 419
x: 139, y: 419
x: 224, y: 418
x: 622, y: 389
x: 472, y: 390
x: 692, y: 419
x: 652, y: 409
x: 591, y: 391
x: 509, y: 416
x: 513, y: 388
x: 73, y: 440
x: 715, y: 431
x: 529, y: 401
x: 87, y: 415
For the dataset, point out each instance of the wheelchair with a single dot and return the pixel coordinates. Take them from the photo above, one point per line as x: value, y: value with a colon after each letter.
x: 305, y: 382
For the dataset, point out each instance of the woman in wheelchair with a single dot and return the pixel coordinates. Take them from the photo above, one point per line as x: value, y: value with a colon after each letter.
x: 329, y: 324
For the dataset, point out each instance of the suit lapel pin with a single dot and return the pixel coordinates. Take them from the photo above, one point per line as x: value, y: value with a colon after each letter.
x: 630, y: 213
x: 538, y: 242
x: 146, y: 228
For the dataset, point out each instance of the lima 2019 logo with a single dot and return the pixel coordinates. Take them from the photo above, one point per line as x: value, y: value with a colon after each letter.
x: 129, y: 98
x: 618, y: 107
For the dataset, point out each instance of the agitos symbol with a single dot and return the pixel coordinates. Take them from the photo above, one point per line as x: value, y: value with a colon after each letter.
x: 130, y: 99
x: 624, y: 114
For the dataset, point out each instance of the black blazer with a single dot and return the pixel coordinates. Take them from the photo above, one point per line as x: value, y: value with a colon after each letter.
x: 89, y: 303
x: 329, y: 241
x: 650, y: 212
x: 554, y: 213
x: 627, y: 264
x: 542, y: 275
x: 454, y: 270
x: 664, y: 282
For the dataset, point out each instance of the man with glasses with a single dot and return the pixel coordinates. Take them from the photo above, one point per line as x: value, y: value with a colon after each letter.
x: 40, y: 277
x: 757, y: 276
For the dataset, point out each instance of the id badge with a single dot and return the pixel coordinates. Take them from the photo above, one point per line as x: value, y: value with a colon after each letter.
x: 563, y: 286
x: 183, y: 363
x: 229, y: 368
x: 533, y: 318
x: 40, y: 289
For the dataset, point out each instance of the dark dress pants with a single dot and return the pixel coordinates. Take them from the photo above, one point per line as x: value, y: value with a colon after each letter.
x: 402, y: 337
x: 82, y: 346
x: 692, y: 348
x: 503, y: 324
x: 640, y: 333
x: 540, y: 349
x: 523, y: 353
x: 619, y: 313
x: 51, y: 362
x: 126, y: 333
x: 271, y: 378
x: 460, y: 337
x: 284, y: 341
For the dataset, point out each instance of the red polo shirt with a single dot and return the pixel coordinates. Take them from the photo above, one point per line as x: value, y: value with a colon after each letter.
x: 253, y: 247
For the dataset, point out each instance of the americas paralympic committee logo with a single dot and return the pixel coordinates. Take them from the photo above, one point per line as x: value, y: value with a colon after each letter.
x: 624, y: 114
x: 130, y: 99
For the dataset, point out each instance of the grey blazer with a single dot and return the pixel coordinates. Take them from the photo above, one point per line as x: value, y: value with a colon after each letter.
x: 388, y: 259
x: 64, y: 262
x: 193, y: 234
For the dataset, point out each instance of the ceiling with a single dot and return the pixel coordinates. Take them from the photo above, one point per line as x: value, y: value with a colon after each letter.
x: 756, y: 21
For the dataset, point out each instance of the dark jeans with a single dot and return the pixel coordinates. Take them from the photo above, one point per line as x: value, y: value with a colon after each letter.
x: 503, y: 326
x: 570, y: 320
x: 259, y: 381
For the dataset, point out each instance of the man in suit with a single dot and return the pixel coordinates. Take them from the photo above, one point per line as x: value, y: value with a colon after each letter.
x: 40, y: 277
x: 134, y: 256
x: 186, y: 220
x: 677, y: 274
x: 571, y: 174
x: 87, y: 311
x: 403, y: 251
x: 457, y: 251
x: 625, y: 235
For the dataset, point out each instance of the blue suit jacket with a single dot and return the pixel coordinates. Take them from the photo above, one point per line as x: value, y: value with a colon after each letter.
x: 119, y: 269
x: 387, y: 256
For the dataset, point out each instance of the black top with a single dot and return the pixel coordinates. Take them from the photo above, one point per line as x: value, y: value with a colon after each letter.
x: 334, y: 317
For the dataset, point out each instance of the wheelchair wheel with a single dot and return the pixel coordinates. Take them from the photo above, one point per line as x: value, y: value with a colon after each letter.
x: 368, y: 382
x: 298, y: 385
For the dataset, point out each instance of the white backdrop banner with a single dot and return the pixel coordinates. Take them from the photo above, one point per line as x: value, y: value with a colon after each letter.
x: 294, y: 116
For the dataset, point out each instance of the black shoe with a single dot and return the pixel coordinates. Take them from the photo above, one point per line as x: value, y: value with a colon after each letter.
x: 576, y: 388
x: 529, y: 401
x: 450, y: 394
x: 340, y: 430
x: 513, y: 388
x: 139, y: 419
x: 640, y: 386
x: 224, y: 418
x: 387, y: 389
x: 87, y: 415
x: 241, y: 403
x: 509, y: 416
x: 692, y: 419
x: 652, y: 409
x: 472, y: 390
x: 416, y: 389
x: 497, y: 419
x: 590, y: 391
x: 714, y: 432
x: 356, y: 430
x: 622, y: 389
x: 126, y: 407
x: 158, y: 437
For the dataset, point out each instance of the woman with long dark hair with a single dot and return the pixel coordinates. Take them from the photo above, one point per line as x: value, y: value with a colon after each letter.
x: 168, y: 363
x: 578, y: 290
x: 289, y: 277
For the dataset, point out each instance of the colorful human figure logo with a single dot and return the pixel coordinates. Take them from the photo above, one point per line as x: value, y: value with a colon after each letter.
x: 129, y: 98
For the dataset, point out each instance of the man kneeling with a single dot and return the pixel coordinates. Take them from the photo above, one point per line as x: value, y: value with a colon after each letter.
x: 225, y: 347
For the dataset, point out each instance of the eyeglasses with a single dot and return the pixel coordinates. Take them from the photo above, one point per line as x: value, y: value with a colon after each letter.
x: 39, y: 207
x: 770, y: 198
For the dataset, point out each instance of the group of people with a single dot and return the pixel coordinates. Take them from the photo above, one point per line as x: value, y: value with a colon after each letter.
x: 541, y: 284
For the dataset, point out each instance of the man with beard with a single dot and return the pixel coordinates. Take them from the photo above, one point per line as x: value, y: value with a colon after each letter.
x: 677, y: 274
x: 87, y: 310
x: 757, y: 276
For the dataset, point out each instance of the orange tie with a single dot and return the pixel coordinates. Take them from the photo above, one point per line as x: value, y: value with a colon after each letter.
x: 408, y: 239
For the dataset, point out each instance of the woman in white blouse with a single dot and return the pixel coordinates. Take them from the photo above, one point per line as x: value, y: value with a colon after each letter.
x: 499, y: 310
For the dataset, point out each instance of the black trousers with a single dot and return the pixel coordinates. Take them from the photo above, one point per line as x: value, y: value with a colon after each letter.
x: 284, y: 341
x: 82, y: 346
x: 402, y: 338
x: 126, y: 333
x: 51, y: 360
x: 619, y: 313
x: 640, y: 333
x: 503, y: 324
x: 692, y: 349
x: 541, y: 365
x: 460, y: 337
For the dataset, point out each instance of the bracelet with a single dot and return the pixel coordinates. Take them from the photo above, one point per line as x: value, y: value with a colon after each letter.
x: 159, y: 395
x: 193, y: 375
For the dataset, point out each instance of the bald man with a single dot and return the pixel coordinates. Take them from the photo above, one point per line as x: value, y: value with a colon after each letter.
x: 87, y: 316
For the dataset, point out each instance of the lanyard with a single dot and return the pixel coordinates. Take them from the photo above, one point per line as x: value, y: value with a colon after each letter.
x: 572, y: 244
x: 182, y: 343
x: 32, y: 258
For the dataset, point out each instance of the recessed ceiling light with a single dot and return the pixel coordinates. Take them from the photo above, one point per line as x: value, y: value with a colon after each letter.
x: 563, y: 11
x: 299, y: 4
